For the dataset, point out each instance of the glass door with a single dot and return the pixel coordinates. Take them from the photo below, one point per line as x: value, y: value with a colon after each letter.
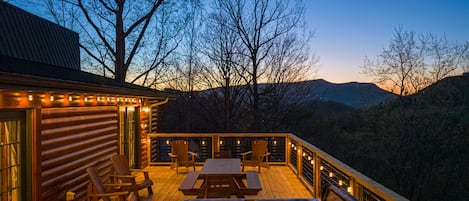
x: 13, y: 157
x: 129, y: 134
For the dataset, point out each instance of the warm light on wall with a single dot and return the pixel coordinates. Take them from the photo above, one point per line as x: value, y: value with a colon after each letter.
x: 238, y: 142
x: 312, y: 162
x: 321, y: 167
x: 341, y: 182
x: 203, y: 142
x: 57, y: 99
x: 349, y: 189
x: 275, y: 142
x: 331, y: 174
x: 221, y: 142
x: 167, y: 141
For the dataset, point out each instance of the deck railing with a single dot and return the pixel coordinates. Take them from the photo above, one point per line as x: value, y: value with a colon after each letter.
x: 313, y: 167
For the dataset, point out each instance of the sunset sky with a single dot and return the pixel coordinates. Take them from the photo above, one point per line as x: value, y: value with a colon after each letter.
x: 348, y: 30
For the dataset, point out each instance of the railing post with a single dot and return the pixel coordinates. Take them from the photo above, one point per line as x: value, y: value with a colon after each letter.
x: 299, y: 160
x: 354, y: 189
x: 287, y: 150
x: 215, y: 144
x: 317, y: 176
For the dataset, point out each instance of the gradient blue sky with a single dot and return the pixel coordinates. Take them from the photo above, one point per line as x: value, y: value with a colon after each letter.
x: 348, y: 30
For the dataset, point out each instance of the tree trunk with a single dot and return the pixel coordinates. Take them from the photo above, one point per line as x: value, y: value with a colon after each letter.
x: 120, y: 45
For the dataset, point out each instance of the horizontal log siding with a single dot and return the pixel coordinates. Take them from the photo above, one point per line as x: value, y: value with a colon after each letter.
x: 73, y: 139
x: 154, y: 120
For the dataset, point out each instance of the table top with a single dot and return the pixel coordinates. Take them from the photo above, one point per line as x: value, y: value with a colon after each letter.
x: 222, y: 166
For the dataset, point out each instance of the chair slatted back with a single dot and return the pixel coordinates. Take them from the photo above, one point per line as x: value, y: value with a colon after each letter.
x: 259, y: 147
x: 181, y: 149
x: 96, y: 181
x: 121, y: 166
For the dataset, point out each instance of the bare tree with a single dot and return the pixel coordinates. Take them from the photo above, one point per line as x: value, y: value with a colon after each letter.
x: 260, y: 25
x: 221, y: 48
x: 413, y: 62
x: 107, y: 20
x: 131, y: 41
x: 465, y: 57
x: 444, y: 58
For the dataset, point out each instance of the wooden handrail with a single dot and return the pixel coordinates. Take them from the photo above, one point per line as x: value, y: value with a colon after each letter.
x: 357, y: 178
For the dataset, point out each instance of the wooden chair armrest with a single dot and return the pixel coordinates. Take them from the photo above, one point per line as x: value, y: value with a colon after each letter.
x: 192, y: 153
x: 109, y: 194
x: 267, y: 154
x: 139, y: 170
x: 246, y: 153
x: 172, y: 155
x: 117, y: 184
x: 123, y: 176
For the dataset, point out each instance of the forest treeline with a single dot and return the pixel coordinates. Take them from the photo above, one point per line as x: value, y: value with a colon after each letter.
x: 416, y: 145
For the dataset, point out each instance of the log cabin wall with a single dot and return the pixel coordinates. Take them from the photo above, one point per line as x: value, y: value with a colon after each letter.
x: 74, y: 138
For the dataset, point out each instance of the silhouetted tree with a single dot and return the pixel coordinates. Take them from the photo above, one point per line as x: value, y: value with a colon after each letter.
x: 266, y: 28
x: 413, y: 62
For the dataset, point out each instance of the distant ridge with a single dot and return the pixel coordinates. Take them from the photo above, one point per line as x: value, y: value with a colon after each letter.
x: 354, y: 94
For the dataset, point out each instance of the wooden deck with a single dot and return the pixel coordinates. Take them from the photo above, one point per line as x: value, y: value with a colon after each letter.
x: 277, y: 182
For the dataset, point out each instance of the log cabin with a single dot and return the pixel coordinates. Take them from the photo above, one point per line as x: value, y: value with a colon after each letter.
x: 56, y: 120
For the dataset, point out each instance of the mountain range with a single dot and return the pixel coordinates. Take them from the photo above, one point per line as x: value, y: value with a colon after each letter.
x: 353, y: 94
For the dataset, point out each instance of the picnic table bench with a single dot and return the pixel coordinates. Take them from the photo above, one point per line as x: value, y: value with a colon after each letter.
x: 247, y: 183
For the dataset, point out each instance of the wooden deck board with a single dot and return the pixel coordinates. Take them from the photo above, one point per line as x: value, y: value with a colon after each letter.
x: 277, y: 182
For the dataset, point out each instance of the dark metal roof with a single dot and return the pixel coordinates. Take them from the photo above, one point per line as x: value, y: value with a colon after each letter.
x: 29, y: 37
x: 25, y: 75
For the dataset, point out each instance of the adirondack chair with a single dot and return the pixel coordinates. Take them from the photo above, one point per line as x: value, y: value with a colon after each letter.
x: 98, y: 190
x: 124, y: 173
x: 180, y: 155
x: 259, y: 155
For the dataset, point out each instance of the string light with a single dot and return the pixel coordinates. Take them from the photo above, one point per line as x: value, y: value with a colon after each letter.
x: 51, y: 98
x: 30, y: 97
